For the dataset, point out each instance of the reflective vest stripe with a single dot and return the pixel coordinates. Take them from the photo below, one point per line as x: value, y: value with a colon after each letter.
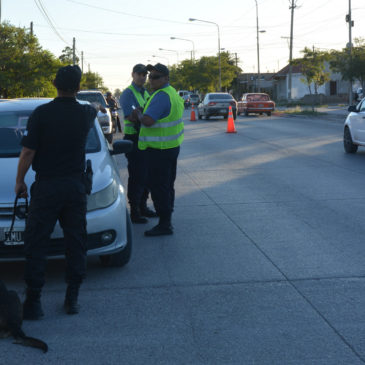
x: 160, y: 139
x: 166, y: 124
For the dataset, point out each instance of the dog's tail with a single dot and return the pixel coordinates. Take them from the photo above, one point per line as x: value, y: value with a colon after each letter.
x: 22, y: 339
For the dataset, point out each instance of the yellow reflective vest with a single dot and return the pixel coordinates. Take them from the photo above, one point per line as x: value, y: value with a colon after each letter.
x: 129, y: 126
x: 167, y: 132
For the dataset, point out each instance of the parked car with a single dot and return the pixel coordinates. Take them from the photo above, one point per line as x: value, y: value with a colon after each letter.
x: 194, y: 99
x: 108, y: 222
x: 354, y: 128
x: 105, y: 119
x: 258, y: 103
x: 217, y: 104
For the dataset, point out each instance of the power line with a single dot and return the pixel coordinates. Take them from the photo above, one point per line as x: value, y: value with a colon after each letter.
x: 45, y: 15
x: 124, y: 13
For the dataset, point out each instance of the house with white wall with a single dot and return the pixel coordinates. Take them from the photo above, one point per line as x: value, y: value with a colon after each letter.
x: 335, y: 90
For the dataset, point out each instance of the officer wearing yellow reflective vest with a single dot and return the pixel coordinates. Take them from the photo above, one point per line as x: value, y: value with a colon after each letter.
x: 160, y: 137
x: 135, y: 96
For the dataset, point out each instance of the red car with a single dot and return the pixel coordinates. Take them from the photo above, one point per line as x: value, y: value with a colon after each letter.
x: 258, y: 103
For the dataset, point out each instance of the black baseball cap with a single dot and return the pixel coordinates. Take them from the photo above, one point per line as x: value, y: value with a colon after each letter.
x: 68, y: 78
x: 140, y: 68
x: 159, y: 67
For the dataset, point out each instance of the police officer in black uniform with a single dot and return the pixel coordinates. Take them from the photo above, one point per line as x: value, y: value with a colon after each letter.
x: 54, y: 144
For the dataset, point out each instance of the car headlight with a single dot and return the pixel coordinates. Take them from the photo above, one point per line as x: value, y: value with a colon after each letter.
x: 104, y: 118
x: 103, y: 198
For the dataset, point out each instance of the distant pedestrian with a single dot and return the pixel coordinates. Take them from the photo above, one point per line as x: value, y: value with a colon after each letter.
x: 54, y: 144
x: 133, y: 97
x: 160, y: 137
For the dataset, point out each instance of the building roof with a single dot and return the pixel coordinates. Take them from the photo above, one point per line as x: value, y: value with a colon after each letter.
x: 296, y: 69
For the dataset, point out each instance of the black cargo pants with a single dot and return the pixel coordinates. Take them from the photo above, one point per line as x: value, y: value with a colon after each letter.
x: 53, y: 199
x: 137, y: 174
x: 162, y: 174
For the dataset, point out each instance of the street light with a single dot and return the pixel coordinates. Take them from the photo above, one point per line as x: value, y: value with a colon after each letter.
x: 188, y: 40
x: 171, y: 50
x: 258, y: 48
x: 219, y: 48
x: 162, y: 57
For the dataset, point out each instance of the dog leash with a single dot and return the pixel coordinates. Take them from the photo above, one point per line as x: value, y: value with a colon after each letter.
x: 20, y: 215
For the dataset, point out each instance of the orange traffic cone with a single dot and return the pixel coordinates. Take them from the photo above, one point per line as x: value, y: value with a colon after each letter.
x: 192, y: 114
x: 230, y: 122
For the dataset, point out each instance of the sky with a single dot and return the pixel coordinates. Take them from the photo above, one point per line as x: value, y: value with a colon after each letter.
x: 115, y: 35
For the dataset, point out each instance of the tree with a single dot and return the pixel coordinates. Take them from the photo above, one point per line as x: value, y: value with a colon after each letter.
x: 203, y: 74
x: 313, y: 69
x: 353, y: 67
x: 92, y: 80
x: 117, y: 93
x: 67, y: 56
x: 25, y: 68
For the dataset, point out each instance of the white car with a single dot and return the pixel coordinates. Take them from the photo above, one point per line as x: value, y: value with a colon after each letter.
x: 105, y: 119
x: 354, y: 129
x: 108, y: 221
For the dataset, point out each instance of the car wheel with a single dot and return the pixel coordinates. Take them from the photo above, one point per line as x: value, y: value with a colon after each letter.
x: 261, y: 113
x: 207, y: 117
x: 246, y: 113
x: 268, y: 114
x: 122, y: 257
x: 109, y: 137
x: 348, y: 144
x: 199, y: 116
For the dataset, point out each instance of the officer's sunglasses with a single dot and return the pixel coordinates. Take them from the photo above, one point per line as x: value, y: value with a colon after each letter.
x: 155, y: 77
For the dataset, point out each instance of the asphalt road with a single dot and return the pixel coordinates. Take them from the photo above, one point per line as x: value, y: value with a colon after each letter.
x: 266, y: 265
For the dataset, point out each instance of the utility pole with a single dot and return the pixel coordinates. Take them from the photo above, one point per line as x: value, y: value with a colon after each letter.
x: 31, y: 28
x: 258, y: 49
x: 82, y: 61
x: 349, y: 46
x: 292, y: 7
x: 74, y: 51
x: 88, y: 66
x: 0, y: 11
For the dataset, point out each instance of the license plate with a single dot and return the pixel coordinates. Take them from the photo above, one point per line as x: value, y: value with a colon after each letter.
x: 261, y: 105
x: 15, y: 238
x: 223, y: 110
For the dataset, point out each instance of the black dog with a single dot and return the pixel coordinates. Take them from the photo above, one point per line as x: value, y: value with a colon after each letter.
x: 11, y: 319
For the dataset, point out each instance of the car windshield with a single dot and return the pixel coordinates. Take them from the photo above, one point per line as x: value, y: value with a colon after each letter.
x: 12, y: 127
x: 92, y: 98
x: 221, y: 96
x: 257, y: 97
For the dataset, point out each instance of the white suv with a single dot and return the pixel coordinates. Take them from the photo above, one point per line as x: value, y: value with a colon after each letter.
x: 354, y: 129
x: 105, y: 119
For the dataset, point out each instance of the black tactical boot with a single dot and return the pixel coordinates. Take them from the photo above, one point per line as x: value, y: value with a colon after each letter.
x: 71, y: 306
x: 147, y: 212
x: 32, y: 308
x: 163, y: 227
x: 136, y: 216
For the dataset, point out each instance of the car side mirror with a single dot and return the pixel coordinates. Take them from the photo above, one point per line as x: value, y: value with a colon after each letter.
x: 122, y: 146
x: 352, y: 108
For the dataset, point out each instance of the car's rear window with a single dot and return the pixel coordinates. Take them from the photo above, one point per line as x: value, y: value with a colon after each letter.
x: 92, y: 98
x: 257, y: 97
x: 12, y: 127
x: 221, y: 96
